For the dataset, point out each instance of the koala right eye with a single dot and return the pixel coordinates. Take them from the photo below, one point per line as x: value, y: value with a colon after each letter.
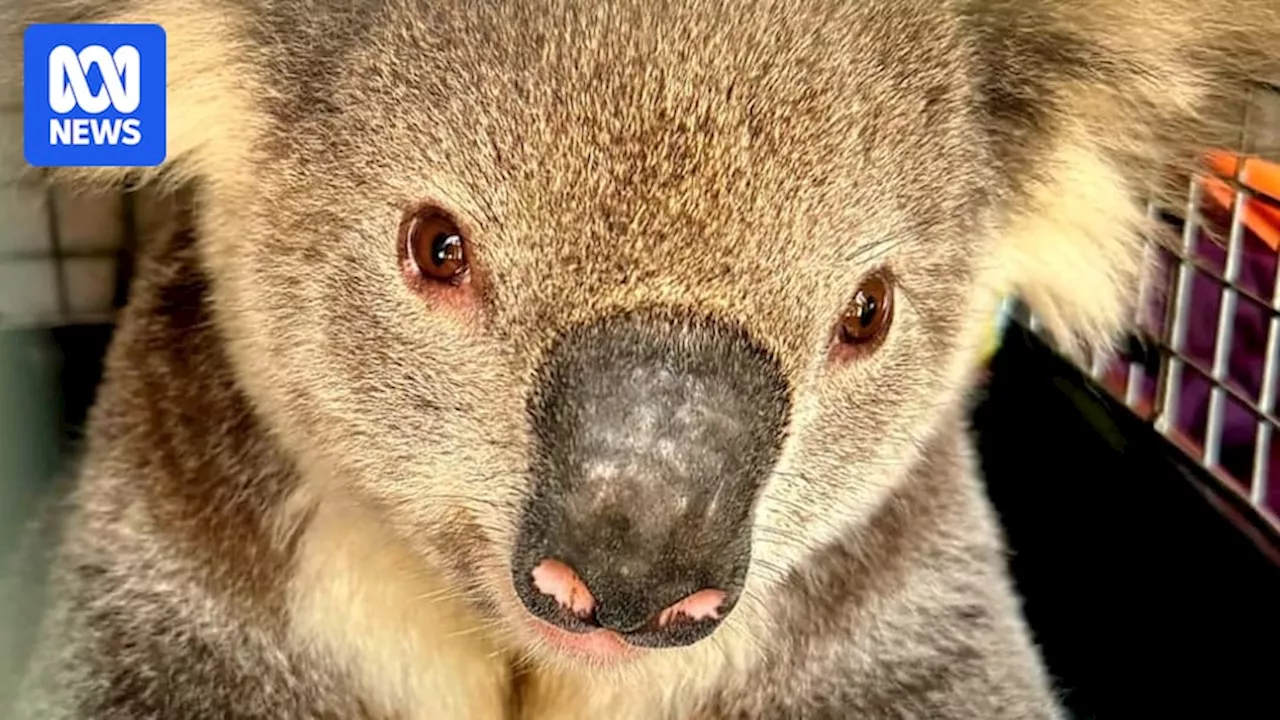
x: 435, y: 247
x: 867, y: 319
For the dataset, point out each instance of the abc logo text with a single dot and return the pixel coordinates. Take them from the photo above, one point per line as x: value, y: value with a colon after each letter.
x: 94, y: 95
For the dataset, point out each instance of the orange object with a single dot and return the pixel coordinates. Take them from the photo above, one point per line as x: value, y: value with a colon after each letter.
x: 1259, y: 176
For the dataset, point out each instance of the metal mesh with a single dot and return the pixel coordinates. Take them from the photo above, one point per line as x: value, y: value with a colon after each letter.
x: 1204, y: 364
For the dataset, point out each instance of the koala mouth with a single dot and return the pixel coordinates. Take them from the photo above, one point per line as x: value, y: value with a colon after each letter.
x: 654, y: 435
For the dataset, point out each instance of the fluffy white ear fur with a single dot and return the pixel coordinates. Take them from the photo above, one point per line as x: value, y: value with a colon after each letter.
x: 1075, y: 252
x: 210, y: 109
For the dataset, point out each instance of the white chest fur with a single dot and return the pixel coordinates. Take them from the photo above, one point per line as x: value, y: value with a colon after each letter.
x: 417, y: 652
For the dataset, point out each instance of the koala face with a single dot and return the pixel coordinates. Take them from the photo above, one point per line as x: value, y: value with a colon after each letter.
x: 612, y: 311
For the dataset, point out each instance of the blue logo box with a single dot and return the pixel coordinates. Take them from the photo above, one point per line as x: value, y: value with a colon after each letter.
x: 94, y: 95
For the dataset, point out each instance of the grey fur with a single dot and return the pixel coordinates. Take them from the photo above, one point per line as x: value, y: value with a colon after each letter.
x: 746, y: 161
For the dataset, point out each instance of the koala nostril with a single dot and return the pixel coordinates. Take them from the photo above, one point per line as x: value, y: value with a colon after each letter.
x: 702, y: 605
x: 554, y: 578
x: 644, y: 622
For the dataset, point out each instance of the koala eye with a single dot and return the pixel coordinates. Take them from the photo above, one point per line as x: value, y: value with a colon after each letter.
x: 869, y: 315
x: 436, y: 247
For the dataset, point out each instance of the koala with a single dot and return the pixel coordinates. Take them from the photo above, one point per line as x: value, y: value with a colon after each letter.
x: 556, y: 359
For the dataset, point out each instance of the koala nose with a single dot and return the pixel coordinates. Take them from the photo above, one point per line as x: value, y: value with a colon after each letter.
x: 653, y: 437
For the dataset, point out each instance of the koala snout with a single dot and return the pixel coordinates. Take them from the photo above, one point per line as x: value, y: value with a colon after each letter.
x: 653, y: 437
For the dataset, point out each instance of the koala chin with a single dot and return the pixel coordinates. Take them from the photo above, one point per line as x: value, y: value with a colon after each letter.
x: 564, y: 359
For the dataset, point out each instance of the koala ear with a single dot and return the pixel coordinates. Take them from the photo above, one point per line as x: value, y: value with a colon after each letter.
x: 210, y: 90
x: 1095, y: 108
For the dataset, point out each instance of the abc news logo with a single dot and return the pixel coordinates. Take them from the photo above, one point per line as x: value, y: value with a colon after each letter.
x: 94, y: 95
x: 69, y: 89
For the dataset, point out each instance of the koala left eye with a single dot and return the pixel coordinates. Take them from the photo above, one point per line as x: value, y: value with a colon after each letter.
x: 435, y: 247
x: 867, y: 319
